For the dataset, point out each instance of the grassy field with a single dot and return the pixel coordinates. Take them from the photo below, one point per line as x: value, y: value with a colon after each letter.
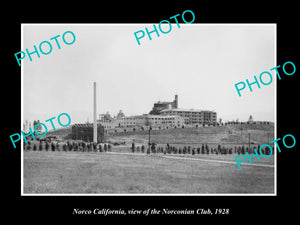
x: 112, y: 173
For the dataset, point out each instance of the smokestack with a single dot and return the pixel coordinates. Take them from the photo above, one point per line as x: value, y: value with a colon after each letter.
x: 95, y: 116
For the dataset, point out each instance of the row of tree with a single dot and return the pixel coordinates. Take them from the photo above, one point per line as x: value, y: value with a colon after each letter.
x: 204, y: 149
x: 75, y: 146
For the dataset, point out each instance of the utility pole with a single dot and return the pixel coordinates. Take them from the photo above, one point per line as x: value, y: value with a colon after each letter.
x: 95, y: 115
x: 249, y: 141
x: 149, y: 141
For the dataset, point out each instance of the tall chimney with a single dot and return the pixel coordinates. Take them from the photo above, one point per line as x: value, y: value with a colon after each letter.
x: 95, y: 116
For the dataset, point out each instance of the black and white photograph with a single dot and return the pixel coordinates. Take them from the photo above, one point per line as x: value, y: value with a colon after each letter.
x: 149, y: 112
x: 129, y: 109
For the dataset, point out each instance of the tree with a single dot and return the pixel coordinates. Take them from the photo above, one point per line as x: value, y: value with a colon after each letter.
x: 153, y: 148
x: 219, y: 148
x: 76, y: 147
x: 207, y: 149
x: 70, y: 147
x: 28, y: 146
x: 243, y: 150
x: 40, y: 146
x: 52, y: 147
x: 88, y: 145
x: 239, y: 150
x: 143, y: 148
x: 175, y: 150
x: 47, y: 146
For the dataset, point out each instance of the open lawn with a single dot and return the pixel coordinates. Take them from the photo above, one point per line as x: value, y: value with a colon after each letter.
x: 125, y: 173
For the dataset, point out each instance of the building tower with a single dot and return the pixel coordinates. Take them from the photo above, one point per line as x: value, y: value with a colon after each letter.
x: 176, y: 102
x: 95, y: 116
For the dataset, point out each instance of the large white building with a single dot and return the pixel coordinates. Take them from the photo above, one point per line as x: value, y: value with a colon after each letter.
x: 162, y: 121
x: 192, y: 116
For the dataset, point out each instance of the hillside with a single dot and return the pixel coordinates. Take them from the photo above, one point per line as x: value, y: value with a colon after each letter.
x: 225, y: 135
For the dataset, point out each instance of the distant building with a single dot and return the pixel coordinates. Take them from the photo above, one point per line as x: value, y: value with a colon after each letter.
x: 192, y: 116
x: 105, y: 116
x: 120, y: 114
x: 250, y: 120
x: 85, y: 132
x: 159, y: 106
x: 143, y: 120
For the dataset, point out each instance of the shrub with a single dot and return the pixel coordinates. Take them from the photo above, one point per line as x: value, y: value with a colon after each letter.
x: 202, y: 149
x: 76, y: 147
x: 52, y: 147
x: 189, y: 150
x: 184, y: 149
x: 64, y: 147
x: 47, y: 146
x: 153, y: 149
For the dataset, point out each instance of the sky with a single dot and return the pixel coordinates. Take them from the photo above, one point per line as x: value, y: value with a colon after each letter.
x: 198, y: 62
